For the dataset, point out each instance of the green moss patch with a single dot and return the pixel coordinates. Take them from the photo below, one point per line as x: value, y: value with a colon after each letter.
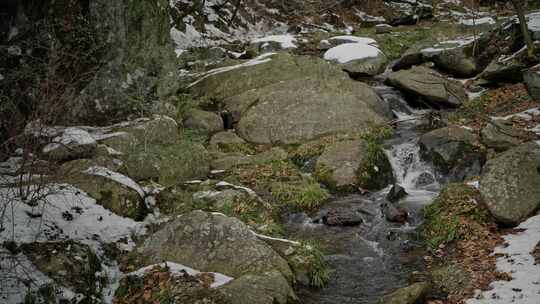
x: 457, y: 213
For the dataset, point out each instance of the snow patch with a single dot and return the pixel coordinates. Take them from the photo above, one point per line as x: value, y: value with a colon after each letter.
x: 72, y: 137
x: 117, y: 177
x: 179, y: 269
x: 516, y: 259
x: 479, y: 21
x: 285, y: 41
x: 351, y: 51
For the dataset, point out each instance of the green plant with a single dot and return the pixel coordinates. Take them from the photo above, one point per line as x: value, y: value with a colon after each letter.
x: 310, y: 256
x: 305, y: 195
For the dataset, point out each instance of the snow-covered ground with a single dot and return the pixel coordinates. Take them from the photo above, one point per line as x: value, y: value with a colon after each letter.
x: 516, y: 259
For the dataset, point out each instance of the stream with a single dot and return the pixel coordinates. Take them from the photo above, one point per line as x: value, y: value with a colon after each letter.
x: 376, y: 257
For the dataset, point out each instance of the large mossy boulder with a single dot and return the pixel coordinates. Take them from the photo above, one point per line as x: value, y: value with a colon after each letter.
x: 510, y: 184
x: 290, y: 99
x: 210, y: 242
x: 454, y: 152
x: 350, y: 164
x: 426, y: 86
x: 217, y: 243
x: 300, y: 110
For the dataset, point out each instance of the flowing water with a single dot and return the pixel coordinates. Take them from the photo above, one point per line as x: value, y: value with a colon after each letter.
x: 376, y: 257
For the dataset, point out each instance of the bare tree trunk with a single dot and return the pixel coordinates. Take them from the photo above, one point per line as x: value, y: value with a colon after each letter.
x: 519, y: 6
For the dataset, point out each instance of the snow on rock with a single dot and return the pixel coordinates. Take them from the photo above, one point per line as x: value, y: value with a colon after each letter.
x: 352, y: 39
x: 117, y: 177
x: 285, y: 41
x: 61, y: 212
x: 255, y: 61
x: 516, y: 259
x: 479, y: 21
x: 351, y: 51
x: 17, y: 271
x: 179, y: 269
x: 447, y: 45
x: 71, y: 137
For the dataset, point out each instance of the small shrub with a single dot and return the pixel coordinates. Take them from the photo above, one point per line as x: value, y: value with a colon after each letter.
x: 309, y: 256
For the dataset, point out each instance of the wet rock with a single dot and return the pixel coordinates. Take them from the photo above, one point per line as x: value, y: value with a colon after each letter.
x: 342, y: 216
x: 208, y: 122
x: 510, y: 184
x: 532, y: 80
x: 396, y: 193
x: 354, y: 163
x: 424, y: 179
x: 415, y: 293
x: 395, y: 214
x: 453, y: 152
x: 430, y: 86
x: 268, y: 288
x: 499, y: 134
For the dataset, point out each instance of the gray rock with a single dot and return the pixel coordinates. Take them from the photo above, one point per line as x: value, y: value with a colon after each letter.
x: 395, y: 214
x: 510, y: 71
x: 412, y: 294
x: 453, y: 152
x: 342, y: 216
x: 499, y: 134
x: 208, y: 122
x: 346, y: 165
x: 396, y: 193
x: 510, y: 184
x: 424, y: 179
x: 429, y: 86
x: 368, y: 66
x: 226, y: 161
x: 226, y: 138
x: 532, y: 80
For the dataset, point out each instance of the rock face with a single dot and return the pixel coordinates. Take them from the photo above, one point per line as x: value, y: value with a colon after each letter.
x: 452, y: 150
x: 354, y: 163
x: 429, y: 86
x: 503, y: 72
x: 532, y: 80
x: 396, y: 193
x: 290, y: 100
x: 211, y: 242
x: 141, y: 58
x: 510, y: 185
